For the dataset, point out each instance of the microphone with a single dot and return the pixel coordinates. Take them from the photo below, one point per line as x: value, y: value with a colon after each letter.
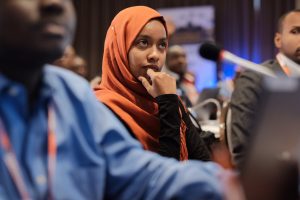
x: 215, y: 53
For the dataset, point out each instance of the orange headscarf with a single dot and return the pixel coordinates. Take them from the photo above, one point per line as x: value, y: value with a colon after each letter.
x: 119, y: 89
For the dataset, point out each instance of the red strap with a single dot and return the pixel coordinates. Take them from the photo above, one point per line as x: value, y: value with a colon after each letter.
x: 13, y: 166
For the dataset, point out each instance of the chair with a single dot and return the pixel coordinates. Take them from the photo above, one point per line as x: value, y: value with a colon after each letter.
x: 202, y: 115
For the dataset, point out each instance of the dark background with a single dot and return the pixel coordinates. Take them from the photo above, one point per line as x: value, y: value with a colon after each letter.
x: 240, y: 28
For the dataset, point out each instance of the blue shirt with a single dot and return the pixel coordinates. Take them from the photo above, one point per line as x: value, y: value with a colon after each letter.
x: 96, y: 157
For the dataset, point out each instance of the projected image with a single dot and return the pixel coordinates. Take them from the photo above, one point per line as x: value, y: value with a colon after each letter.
x: 189, y: 27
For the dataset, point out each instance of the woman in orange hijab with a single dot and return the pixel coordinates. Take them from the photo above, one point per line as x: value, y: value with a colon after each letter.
x: 138, y: 93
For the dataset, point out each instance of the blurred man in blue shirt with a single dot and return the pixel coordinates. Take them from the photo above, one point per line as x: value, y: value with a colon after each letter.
x: 56, y: 140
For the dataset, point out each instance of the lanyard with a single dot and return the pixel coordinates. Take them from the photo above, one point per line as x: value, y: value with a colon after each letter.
x: 13, y: 166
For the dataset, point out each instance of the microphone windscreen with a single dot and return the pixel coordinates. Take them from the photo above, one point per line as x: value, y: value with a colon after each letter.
x: 210, y: 51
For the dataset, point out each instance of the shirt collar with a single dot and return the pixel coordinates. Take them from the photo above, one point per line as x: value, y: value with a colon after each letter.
x: 45, y: 90
x: 6, y: 83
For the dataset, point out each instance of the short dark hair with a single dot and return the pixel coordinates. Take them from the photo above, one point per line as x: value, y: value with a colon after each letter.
x: 282, y: 18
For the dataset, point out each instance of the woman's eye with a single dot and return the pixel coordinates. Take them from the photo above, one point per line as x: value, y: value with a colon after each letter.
x: 163, y: 45
x: 142, y: 43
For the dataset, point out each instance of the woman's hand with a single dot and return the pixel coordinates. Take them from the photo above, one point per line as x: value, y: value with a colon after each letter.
x: 162, y: 83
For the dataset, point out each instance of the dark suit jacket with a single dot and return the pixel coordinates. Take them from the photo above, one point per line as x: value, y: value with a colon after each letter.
x: 244, y: 102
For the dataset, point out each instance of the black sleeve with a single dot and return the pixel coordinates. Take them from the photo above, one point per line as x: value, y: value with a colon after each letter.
x: 169, y: 139
x: 170, y: 130
x: 196, y: 146
x: 243, y: 110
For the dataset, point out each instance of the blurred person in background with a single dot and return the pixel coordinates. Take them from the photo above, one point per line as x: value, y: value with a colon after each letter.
x: 68, y: 55
x: 176, y: 65
x: 71, y: 61
x: 248, y: 86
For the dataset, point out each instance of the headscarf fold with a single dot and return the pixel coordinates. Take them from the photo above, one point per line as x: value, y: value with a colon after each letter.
x: 120, y: 90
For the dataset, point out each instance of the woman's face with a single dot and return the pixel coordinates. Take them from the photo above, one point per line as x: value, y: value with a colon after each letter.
x: 148, y: 49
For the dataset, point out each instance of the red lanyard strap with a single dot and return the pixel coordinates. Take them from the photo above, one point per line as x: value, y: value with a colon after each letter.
x: 11, y: 163
x: 13, y: 166
x: 51, y: 150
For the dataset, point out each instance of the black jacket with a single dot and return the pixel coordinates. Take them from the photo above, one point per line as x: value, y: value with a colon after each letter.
x: 243, y: 105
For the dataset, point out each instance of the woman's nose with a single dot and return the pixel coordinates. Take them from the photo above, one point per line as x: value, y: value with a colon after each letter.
x: 153, y: 55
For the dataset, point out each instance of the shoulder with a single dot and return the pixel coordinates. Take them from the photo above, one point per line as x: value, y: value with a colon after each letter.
x: 73, y: 93
x: 63, y: 75
x: 253, y: 79
x: 248, y: 81
x: 249, y: 85
x: 272, y: 64
x: 63, y: 80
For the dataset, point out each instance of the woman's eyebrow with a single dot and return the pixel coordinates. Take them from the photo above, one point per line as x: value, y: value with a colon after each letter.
x: 149, y: 37
x: 143, y: 36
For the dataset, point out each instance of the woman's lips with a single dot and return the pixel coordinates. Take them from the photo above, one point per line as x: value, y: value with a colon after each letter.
x: 153, y: 67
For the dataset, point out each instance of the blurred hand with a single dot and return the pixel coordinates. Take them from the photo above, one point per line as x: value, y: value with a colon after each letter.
x: 221, y: 155
x: 95, y: 82
x: 232, y: 186
x: 162, y: 83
